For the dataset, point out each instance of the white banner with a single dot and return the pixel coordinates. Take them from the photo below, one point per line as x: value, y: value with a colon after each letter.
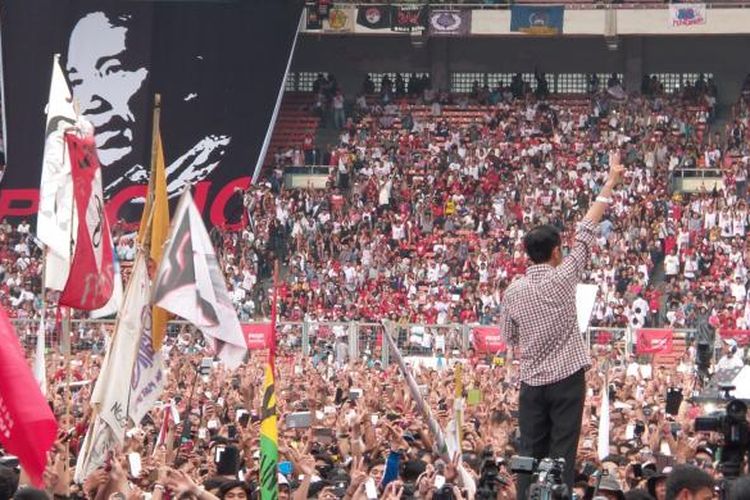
x: 110, y: 394
x: 55, y: 224
x: 687, y: 14
x: 147, y: 381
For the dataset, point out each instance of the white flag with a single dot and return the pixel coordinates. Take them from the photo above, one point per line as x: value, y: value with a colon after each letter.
x: 190, y: 284
x: 115, y: 301
x: 147, y: 380
x: 603, y: 441
x: 55, y: 221
x: 40, y: 368
x: 111, y: 393
x: 98, y: 442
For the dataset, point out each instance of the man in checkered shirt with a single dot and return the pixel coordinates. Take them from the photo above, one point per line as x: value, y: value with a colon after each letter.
x: 540, y: 324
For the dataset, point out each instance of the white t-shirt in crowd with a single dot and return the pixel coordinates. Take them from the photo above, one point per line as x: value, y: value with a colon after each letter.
x: 671, y: 265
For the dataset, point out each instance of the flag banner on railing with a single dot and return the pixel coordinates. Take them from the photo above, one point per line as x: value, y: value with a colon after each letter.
x: 257, y: 335
x: 653, y: 340
x: 741, y: 336
x: 340, y: 20
x: 409, y: 18
x: 687, y: 14
x: 450, y: 22
x: 488, y: 339
x: 547, y: 20
x: 374, y: 17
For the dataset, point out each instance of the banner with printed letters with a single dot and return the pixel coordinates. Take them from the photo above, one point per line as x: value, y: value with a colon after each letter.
x: 687, y: 14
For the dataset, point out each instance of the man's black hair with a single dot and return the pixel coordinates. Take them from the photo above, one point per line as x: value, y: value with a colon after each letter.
x: 230, y: 485
x: 540, y: 241
x: 740, y: 489
x: 687, y: 477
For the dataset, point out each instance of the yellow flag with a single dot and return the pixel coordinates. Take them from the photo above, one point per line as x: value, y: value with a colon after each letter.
x: 156, y: 201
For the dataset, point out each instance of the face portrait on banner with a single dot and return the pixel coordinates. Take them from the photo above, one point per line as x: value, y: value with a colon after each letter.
x: 106, y: 80
x: 215, y: 110
x: 108, y: 76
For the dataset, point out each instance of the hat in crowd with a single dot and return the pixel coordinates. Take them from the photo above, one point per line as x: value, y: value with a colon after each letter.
x: 607, y: 483
x: 654, y: 478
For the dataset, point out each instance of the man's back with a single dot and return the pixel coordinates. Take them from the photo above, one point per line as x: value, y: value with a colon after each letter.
x: 543, y: 307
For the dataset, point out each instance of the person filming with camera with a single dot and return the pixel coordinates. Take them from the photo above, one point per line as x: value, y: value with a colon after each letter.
x: 540, y: 324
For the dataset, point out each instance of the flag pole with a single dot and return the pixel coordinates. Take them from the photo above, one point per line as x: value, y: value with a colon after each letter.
x: 458, y: 402
x: 67, y: 326
x: 269, y: 447
x: 144, y: 239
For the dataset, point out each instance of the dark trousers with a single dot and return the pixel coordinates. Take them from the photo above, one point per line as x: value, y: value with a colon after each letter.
x: 550, y: 420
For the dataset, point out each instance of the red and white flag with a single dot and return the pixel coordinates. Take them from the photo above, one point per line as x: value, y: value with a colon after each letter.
x: 91, y: 278
x: 27, y: 426
x: 653, y: 341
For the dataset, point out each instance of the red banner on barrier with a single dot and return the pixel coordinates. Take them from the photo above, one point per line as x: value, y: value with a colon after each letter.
x: 488, y: 339
x: 741, y: 336
x: 256, y: 335
x: 653, y: 341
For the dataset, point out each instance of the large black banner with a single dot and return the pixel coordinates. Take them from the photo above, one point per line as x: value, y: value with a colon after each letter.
x: 217, y: 65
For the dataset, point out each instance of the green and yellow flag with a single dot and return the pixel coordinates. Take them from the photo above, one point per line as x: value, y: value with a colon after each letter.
x: 269, y: 440
x: 269, y: 433
x: 158, y: 203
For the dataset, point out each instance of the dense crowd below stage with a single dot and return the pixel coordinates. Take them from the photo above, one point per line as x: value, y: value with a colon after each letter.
x: 429, y: 197
x: 342, y: 425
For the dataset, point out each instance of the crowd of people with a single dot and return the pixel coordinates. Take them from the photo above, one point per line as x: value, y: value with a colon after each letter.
x: 363, y: 437
x: 426, y: 209
x: 429, y: 197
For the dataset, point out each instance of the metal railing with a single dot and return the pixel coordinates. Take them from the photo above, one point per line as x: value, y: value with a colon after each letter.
x: 345, y: 341
x: 692, y: 173
x: 679, y: 177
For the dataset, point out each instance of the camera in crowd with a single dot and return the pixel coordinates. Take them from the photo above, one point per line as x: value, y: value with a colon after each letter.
x: 490, y: 480
x: 548, y: 481
x: 731, y: 423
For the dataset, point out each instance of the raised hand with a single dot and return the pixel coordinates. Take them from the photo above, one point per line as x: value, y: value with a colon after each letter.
x: 616, y: 169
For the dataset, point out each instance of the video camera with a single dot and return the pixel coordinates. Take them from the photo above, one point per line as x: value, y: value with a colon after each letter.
x: 732, y: 424
x: 489, y: 475
x: 548, y: 483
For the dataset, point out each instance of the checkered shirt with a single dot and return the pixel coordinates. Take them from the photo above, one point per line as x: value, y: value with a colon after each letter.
x: 539, y: 315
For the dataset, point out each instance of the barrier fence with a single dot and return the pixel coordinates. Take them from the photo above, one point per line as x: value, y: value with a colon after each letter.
x: 343, y: 340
